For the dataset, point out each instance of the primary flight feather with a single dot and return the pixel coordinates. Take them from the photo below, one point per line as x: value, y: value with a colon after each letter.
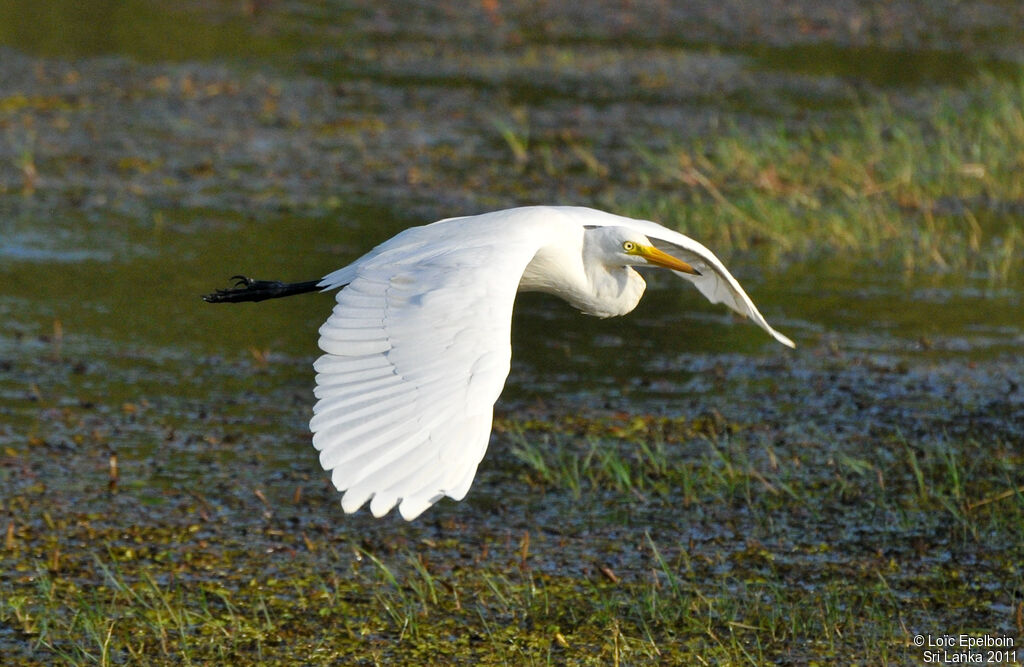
x: 417, y: 348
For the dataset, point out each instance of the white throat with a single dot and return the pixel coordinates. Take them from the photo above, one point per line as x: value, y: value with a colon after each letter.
x: 596, y: 289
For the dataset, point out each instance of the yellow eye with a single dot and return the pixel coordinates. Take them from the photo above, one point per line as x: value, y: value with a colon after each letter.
x: 629, y: 246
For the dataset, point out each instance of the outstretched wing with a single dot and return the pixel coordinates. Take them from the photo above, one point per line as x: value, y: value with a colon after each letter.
x: 714, y: 282
x: 417, y: 351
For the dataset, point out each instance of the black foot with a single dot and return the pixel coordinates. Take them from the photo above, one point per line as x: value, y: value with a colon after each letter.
x: 247, y: 289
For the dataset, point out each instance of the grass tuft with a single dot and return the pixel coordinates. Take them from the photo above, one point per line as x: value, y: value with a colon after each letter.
x: 938, y: 186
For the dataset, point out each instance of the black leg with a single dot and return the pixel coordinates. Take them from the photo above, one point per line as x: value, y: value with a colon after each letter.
x: 247, y: 289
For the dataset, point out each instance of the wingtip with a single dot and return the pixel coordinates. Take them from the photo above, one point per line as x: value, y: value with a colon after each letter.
x: 785, y: 340
x: 410, y: 508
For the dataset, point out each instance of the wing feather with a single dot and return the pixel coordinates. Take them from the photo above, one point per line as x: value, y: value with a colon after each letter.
x: 359, y: 382
x: 389, y: 465
x: 330, y: 365
x: 348, y: 464
x: 417, y: 481
x: 417, y: 349
x: 363, y: 435
x: 399, y: 476
x: 362, y: 408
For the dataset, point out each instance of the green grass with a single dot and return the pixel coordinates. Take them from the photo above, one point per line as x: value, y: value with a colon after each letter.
x: 936, y: 183
x: 680, y: 540
x: 829, y: 528
x: 933, y: 180
x: 652, y: 599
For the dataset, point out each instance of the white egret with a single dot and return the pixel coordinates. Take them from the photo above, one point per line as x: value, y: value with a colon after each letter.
x: 418, y: 347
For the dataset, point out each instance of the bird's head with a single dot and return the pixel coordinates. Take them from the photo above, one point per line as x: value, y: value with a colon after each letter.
x: 629, y: 248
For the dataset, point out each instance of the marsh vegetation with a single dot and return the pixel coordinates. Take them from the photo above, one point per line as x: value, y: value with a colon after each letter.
x: 668, y: 488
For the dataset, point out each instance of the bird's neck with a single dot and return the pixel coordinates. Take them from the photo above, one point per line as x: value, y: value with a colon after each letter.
x: 612, y: 292
x: 595, y: 290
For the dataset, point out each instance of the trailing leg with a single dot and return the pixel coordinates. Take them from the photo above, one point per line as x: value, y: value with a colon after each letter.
x: 247, y: 289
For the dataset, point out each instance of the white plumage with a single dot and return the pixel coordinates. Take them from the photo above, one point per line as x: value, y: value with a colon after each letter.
x: 417, y: 348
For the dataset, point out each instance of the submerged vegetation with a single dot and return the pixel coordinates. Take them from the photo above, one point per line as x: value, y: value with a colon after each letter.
x: 659, y: 490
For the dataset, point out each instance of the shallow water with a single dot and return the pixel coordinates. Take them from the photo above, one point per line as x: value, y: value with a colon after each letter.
x: 147, y: 155
x: 152, y: 182
x: 129, y: 284
x: 114, y: 312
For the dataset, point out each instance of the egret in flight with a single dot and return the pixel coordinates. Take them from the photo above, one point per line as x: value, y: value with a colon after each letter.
x: 418, y: 346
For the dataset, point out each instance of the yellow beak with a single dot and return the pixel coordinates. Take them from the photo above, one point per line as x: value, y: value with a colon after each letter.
x: 659, y: 258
